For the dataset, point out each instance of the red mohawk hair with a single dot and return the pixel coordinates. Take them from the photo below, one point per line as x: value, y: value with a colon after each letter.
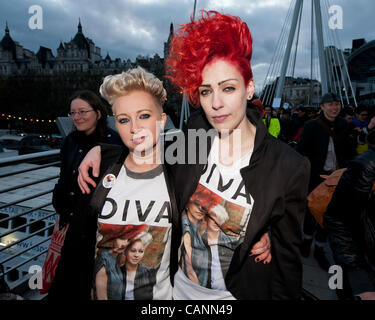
x: 197, y: 43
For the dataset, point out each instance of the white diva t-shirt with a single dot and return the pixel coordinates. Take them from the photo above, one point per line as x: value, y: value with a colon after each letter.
x: 214, y: 222
x: 134, y: 238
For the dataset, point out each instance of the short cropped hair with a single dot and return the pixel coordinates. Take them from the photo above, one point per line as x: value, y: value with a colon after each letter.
x: 121, y: 84
x: 195, y: 44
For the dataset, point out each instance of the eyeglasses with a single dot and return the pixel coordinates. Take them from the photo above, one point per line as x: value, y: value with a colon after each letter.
x: 80, y: 113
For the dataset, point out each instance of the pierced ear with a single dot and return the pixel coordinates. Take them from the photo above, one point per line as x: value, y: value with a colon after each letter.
x: 250, y: 89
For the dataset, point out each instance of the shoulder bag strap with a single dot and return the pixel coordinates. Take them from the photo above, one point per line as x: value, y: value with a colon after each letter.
x: 328, y: 130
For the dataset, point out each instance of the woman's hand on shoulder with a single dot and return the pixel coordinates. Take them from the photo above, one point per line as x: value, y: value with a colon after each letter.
x: 92, y: 160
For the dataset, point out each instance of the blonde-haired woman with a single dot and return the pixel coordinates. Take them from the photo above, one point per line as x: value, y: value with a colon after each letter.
x: 133, y: 190
x: 140, y: 279
x: 134, y: 187
x: 137, y: 101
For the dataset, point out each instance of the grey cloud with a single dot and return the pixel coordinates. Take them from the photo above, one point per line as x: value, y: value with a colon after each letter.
x: 108, y: 23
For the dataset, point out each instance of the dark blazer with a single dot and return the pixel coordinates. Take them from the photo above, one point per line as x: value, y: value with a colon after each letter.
x: 74, y: 267
x: 350, y: 223
x: 73, y: 149
x: 277, y: 178
x: 314, y: 141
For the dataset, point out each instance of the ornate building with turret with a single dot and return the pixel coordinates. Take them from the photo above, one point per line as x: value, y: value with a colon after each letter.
x: 15, y: 58
x: 78, y: 55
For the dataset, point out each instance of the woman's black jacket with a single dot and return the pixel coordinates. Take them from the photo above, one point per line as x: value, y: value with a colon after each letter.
x: 350, y: 223
x: 70, y: 204
x: 73, y: 149
x: 277, y: 178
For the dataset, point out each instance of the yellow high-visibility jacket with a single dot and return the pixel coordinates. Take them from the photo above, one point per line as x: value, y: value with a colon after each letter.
x: 273, y: 125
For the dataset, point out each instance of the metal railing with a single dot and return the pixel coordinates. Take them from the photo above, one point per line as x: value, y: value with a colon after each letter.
x: 14, y: 234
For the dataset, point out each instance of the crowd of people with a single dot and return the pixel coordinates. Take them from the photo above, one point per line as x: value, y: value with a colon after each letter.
x: 156, y: 230
x: 286, y: 123
x: 332, y: 138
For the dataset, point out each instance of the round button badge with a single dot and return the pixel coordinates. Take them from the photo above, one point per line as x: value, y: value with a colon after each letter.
x: 109, y: 180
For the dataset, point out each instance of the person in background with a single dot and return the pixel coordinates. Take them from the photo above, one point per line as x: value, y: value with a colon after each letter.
x: 73, y: 274
x: 312, y: 113
x: 326, y: 143
x: 299, y: 119
x: 348, y: 115
x: 288, y: 128
x: 361, y: 123
x: 271, y: 122
x: 350, y: 224
x: 361, y: 117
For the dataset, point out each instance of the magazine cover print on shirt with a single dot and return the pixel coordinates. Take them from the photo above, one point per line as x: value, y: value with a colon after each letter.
x: 214, y: 222
x: 133, y: 239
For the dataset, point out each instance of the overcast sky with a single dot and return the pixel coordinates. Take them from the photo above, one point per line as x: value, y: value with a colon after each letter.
x: 127, y: 28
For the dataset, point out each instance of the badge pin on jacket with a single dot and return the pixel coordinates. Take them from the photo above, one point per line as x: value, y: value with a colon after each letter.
x: 109, y: 180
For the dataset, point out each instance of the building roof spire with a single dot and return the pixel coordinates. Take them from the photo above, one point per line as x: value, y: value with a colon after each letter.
x: 7, y: 42
x: 79, y: 25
